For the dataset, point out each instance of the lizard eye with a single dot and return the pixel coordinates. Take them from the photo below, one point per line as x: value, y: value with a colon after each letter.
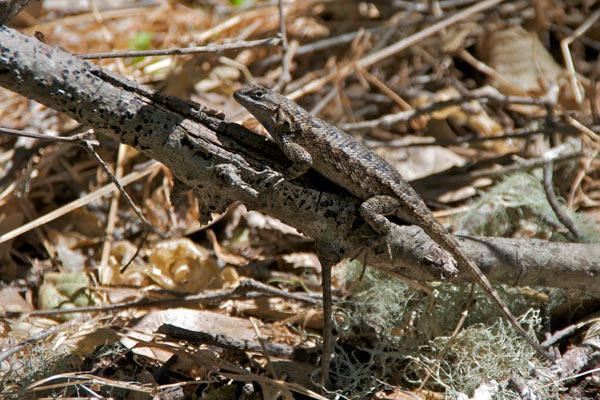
x: 259, y: 94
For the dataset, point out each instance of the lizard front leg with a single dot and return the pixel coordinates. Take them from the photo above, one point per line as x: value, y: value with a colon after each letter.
x: 301, y: 159
x: 301, y: 163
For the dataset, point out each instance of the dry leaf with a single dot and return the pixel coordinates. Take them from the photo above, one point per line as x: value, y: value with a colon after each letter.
x: 523, y: 64
x: 182, y: 265
x: 223, y: 254
x: 11, y: 300
x: 63, y: 291
x: 303, y: 260
x: 121, y: 254
x: 415, y: 162
x: 192, y: 320
x: 525, y: 67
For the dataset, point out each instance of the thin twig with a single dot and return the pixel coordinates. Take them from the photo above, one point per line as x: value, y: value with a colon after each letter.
x: 559, y: 210
x: 87, y: 141
x: 285, y: 76
x: 39, y: 336
x: 324, y: 100
x: 263, y: 347
x: 564, y: 46
x: 535, y: 128
x: 84, y: 140
x: 59, y: 212
x: 119, y: 186
x: 569, y: 330
x: 247, y: 289
x: 272, y: 41
x: 327, y: 323
x: 223, y: 341
x: 319, y: 45
x: 485, y: 95
x: 566, y: 154
x: 137, y: 252
x: 459, y: 325
x: 77, y: 139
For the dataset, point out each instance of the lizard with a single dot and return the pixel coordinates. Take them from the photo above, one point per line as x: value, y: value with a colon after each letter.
x: 309, y: 142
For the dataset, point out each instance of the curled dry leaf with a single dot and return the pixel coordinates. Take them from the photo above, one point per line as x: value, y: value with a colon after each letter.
x: 471, y: 115
x: 182, y: 265
x: 523, y: 64
x: 121, y: 253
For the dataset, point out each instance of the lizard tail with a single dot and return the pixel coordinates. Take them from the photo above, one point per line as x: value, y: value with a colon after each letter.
x: 441, y: 236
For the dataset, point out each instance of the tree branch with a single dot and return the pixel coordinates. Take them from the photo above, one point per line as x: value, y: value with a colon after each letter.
x: 224, y: 162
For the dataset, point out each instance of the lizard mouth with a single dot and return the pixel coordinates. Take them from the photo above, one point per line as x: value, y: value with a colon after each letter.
x: 238, y: 95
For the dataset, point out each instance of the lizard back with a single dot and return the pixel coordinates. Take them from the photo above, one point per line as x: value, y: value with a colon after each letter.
x: 349, y: 163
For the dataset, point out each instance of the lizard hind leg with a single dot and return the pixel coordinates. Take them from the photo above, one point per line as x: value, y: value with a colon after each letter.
x: 374, y: 211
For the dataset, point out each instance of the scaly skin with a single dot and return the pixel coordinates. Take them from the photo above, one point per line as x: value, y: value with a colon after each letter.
x: 310, y: 142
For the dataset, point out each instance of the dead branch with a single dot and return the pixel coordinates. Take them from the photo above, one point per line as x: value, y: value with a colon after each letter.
x: 223, y: 162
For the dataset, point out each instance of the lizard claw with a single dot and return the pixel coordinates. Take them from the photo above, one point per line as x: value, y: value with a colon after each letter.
x: 270, y: 179
x: 389, y: 239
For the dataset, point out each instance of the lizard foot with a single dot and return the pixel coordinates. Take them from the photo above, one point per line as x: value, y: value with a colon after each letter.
x: 270, y: 179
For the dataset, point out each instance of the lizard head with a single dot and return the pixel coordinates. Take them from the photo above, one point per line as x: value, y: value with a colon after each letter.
x: 263, y: 103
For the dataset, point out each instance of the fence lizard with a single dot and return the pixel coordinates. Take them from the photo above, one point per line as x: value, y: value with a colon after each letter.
x: 310, y: 142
